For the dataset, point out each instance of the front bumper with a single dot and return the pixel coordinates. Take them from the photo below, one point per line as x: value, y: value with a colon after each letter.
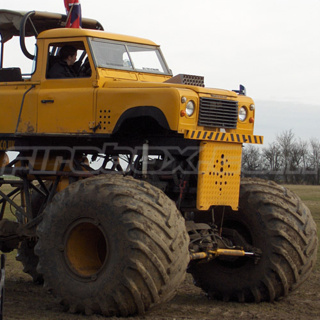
x: 222, y: 136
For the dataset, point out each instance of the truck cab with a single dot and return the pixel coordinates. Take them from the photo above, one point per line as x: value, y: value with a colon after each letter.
x: 118, y: 77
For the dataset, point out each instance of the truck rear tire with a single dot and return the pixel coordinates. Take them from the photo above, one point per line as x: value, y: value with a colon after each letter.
x: 29, y: 260
x: 25, y: 253
x: 112, y: 245
x: 276, y: 221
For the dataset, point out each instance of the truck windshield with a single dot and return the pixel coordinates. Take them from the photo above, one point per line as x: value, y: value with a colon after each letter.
x: 125, y: 56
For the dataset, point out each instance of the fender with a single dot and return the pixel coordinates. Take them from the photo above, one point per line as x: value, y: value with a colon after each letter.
x: 139, y: 112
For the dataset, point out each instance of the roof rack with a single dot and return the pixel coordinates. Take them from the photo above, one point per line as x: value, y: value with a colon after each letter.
x: 27, y: 24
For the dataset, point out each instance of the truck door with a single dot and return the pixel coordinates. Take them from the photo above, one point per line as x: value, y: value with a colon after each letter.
x: 65, y: 101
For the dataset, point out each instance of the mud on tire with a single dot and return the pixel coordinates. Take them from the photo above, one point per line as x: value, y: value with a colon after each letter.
x: 275, y: 220
x: 113, y: 246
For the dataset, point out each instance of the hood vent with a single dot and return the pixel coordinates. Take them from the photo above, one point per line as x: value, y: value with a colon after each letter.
x: 187, y: 79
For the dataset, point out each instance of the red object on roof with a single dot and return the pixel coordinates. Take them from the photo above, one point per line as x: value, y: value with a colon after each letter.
x: 73, y: 9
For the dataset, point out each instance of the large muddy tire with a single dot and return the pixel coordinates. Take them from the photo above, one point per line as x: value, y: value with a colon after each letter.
x: 274, y: 220
x: 25, y: 253
x: 112, y: 245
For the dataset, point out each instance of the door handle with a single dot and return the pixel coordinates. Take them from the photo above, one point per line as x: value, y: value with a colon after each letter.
x: 47, y: 101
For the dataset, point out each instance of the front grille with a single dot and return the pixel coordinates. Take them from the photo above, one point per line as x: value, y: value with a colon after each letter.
x: 218, y: 113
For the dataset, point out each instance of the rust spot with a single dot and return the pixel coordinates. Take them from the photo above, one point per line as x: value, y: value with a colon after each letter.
x: 30, y: 128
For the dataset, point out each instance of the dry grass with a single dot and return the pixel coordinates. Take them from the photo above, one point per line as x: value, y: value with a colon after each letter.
x: 310, y: 195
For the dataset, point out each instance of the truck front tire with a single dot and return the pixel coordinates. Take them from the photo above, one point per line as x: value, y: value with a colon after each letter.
x: 273, y: 219
x: 113, y: 246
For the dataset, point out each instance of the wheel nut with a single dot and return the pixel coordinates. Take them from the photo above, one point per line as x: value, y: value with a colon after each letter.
x: 94, y: 277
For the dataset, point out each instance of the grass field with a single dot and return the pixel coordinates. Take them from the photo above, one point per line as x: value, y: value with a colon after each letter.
x: 310, y: 195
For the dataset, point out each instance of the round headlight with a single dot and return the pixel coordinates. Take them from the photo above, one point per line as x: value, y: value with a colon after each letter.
x: 190, y: 108
x: 243, y: 114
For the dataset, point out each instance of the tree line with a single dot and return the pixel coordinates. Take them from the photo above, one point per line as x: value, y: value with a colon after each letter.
x: 286, y: 160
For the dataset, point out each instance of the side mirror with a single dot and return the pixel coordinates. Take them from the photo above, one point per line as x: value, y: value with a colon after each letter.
x: 242, y: 90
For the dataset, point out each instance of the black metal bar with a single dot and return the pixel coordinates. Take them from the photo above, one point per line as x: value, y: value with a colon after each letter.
x: 33, y: 27
x: 70, y: 174
x: 1, y: 53
x: 19, y: 209
x: 26, y: 191
x: 53, y: 190
x: 4, y: 201
x: 43, y: 185
x: 55, y: 185
x: 10, y: 194
x: 42, y: 190
x: 3, y: 208
x: 13, y: 183
x: 16, y: 171
x: 34, y: 222
x: 10, y: 165
x: 2, y: 282
x: 23, y: 171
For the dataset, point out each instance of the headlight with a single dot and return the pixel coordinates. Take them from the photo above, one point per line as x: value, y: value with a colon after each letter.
x: 243, y: 114
x: 190, y: 108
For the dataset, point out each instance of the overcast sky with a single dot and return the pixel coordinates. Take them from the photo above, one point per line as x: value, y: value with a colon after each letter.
x: 272, y: 47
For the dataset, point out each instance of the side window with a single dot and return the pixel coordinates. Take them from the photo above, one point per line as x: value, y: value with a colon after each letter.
x: 67, y: 60
x: 18, y: 60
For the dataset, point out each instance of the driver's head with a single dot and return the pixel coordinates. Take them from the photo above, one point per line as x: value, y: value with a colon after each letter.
x: 68, y: 54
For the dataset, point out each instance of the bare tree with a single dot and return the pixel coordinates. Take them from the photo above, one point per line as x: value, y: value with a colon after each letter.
x: 251, y: 158
x: 272, y: 160
x: 315, y: 158
x: 286, y: 159
x: 286, y: 143
x: 272, y: 157
x: 299, y: 157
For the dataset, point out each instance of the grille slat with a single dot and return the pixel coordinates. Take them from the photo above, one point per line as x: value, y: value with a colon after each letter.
x: 218, y: 113
x: 211, y: 101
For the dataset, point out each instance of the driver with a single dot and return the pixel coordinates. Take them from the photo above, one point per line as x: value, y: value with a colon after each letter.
x: 64, y: 67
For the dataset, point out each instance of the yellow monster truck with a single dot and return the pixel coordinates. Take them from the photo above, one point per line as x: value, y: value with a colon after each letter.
x: 129, y: 176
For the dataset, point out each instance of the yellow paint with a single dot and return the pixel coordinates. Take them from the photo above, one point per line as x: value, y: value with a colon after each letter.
x: 219, y: 175
x: 228, y: 252
x: 86, y: 249
x: 76, y: 33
